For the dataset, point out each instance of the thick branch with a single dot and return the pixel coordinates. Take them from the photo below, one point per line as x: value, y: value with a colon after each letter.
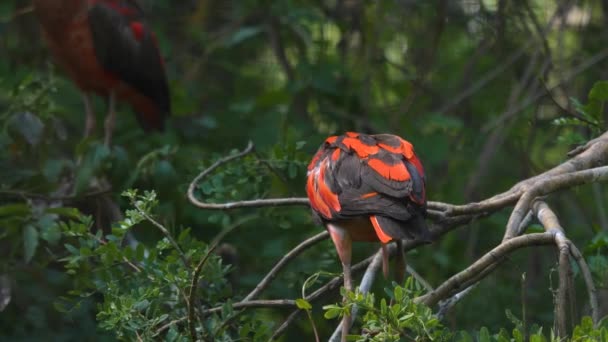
x: 551, y: 224
x: 548, y: 185
x: 455, y: 282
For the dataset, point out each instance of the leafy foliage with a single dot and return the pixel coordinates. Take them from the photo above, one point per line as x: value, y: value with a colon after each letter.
x: 466, y: 82
x: 401, y: 319
x: 145, y: 289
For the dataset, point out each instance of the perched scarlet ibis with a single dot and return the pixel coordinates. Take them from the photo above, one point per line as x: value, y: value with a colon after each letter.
x: 367, y: 188
x: 107, y: 48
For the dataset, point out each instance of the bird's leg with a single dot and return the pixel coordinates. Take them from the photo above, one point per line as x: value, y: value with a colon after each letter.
x: 400, y: 263
x: 343, y: 243
x: 384, y: 261
x: 110, y: 118
x: 90, y: 123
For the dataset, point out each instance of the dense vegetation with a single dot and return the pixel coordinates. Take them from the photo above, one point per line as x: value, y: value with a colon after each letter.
x: 102, y: 243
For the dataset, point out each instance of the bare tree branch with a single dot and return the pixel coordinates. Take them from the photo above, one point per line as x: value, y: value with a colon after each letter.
x: 506, y: 247
x: 547, y: 186
x: 588, y: 278
x: 283, y: 262
x: 549, y: 220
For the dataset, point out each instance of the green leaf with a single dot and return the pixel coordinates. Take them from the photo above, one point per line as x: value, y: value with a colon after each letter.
x: 464, y: 336
x: 30, y: 242
x: 383, y: 307
x: 599, y: 91
x: 503, y: 336
x: 537, y: 338
x: 51, y: 233
x: 71, y: 213
x: 142, y: 305
x: 398, y: 293
x: 14, y: 210
x: 518, y: 336
x: 242, y: 35
x: 332, y: 311
x: 303, y: 304
x: 484, y: 335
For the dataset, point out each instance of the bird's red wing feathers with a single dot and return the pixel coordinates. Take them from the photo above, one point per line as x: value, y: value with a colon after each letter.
x: 377, y: 176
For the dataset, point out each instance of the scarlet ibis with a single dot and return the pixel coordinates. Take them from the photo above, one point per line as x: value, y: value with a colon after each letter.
x: 107, y: 48
x: 368, y: 188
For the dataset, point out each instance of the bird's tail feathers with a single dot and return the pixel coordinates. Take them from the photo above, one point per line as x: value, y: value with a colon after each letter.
x: 413, y: 229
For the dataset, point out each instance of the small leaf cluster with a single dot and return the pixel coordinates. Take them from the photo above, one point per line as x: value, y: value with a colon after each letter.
x: 589, y: 116
x: 399, y: 319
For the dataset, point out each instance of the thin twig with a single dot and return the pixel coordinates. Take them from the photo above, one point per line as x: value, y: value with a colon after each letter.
x: 208, y: 170
x: 165, y: 232
x: 427, y: 286
x: 264, y: 283
x: 192, y: 296
x: 17, y: 13
x: 598, y: 57
x: 258, y: 303
x: 501, y: 67
x: 29, y: 195
x: 446, y: 304
x: 281, y: 329
x: 271, y: 202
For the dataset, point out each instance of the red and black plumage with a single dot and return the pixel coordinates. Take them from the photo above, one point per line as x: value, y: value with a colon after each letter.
x: 367, y: 188
x: 106, y: 47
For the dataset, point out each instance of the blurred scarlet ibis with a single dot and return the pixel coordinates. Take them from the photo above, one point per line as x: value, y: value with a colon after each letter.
x: 107, y: 48
x: 368, y: 188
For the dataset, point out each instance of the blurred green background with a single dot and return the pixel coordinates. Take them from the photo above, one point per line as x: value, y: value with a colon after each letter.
x: 488, y: 92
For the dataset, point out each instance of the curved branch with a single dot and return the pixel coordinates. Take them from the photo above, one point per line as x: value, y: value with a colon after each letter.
x: 551, y: 224
x: 548, y: 185
x: 506, y: 247
x: 284, y: 260
x: 592, y: 154
x: 208, y: 170
x: 281, y: 329
x: 588, y: 278
x: 331, y: 285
